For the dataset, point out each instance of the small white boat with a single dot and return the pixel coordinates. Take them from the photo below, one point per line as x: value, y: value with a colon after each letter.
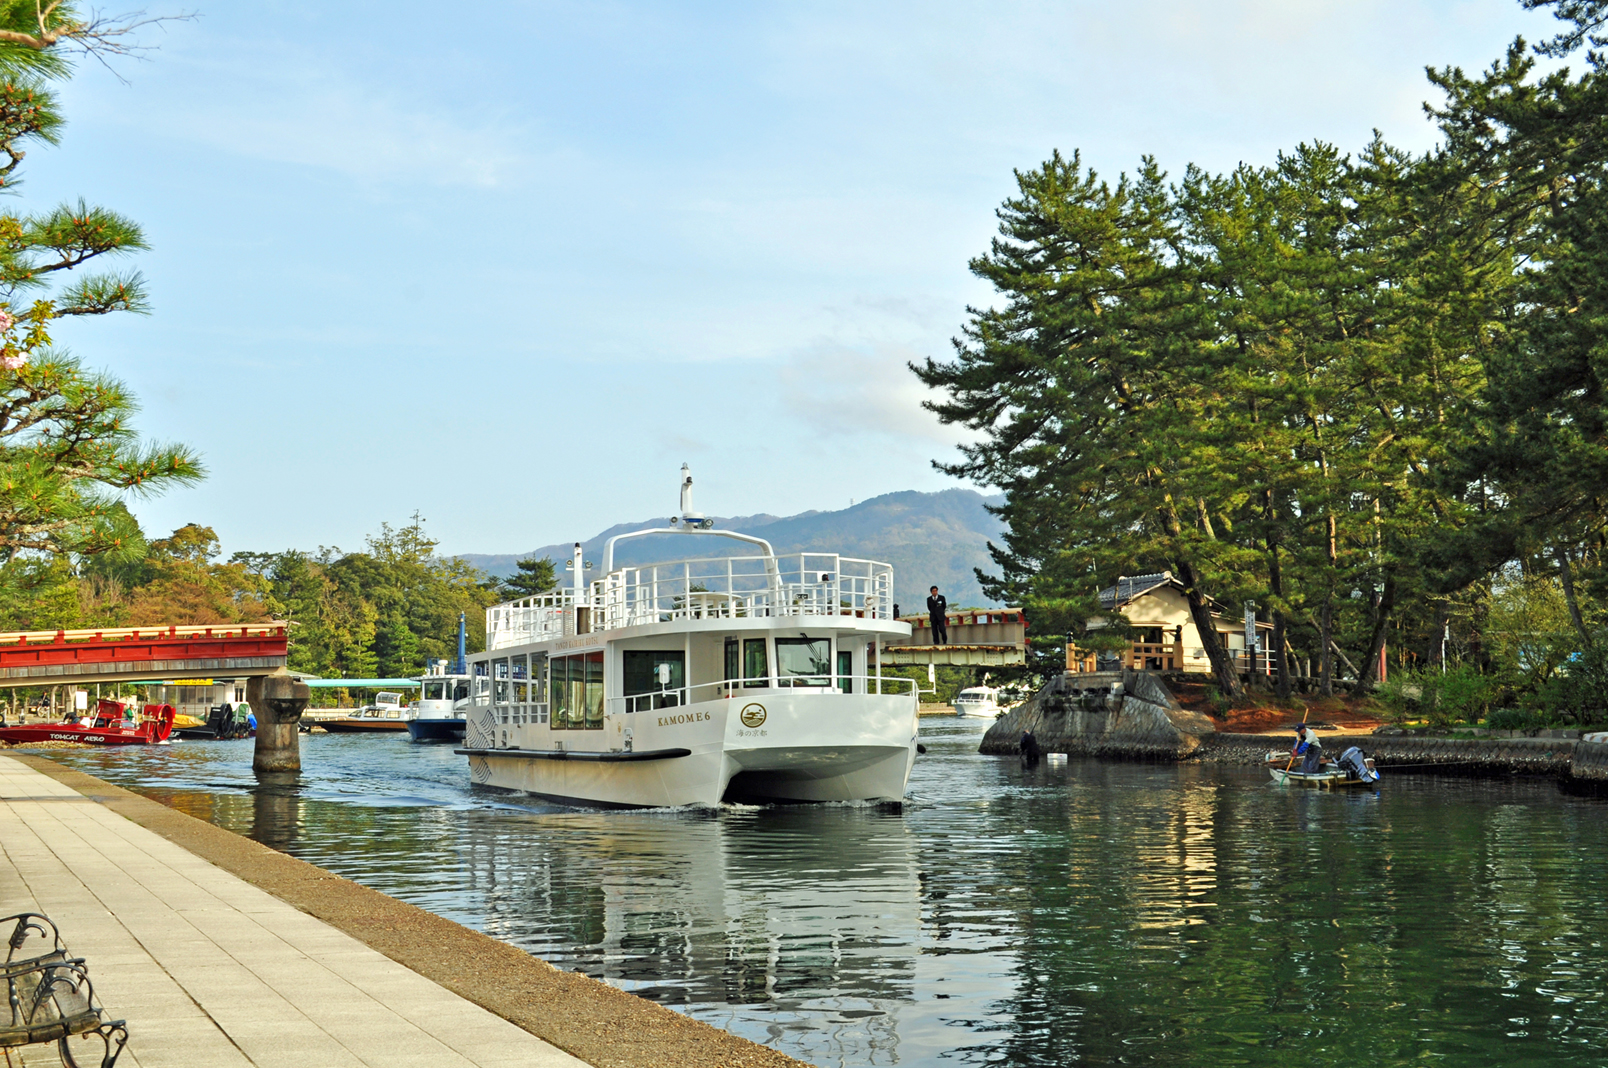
x: 978, y: 701
x: 387, y: 713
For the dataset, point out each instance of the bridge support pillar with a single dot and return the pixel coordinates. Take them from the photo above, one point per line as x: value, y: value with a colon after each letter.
x: 278, y: 701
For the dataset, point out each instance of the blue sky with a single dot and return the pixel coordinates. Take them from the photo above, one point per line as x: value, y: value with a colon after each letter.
x: 512, y: 273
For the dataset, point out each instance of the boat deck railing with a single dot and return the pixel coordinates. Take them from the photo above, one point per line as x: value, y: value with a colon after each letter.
x: 508, y: 710
x: 724, y: 587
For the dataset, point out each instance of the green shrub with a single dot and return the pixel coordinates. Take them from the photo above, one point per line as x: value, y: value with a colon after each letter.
x: 1576, y: 694
x: 1511, y: 719
x: 1460, y: 694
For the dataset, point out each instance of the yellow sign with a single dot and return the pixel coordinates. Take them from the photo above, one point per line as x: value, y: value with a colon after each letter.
x: 752, y: 715
x: 189, y: 682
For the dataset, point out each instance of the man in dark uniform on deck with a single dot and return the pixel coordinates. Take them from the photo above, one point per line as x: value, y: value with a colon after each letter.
x: 938, y: 614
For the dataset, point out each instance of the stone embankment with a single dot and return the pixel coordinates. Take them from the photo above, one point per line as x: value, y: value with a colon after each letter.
x: 1132, y: 716
x: 1122, y: 714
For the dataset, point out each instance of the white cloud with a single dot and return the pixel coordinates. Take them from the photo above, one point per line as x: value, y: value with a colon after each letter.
x: 840, y: 391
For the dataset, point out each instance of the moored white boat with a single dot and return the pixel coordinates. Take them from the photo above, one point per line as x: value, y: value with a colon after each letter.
x: 388, y: 713
x: 443, y: 699
x: 751, y: 678
x: 978, y: 701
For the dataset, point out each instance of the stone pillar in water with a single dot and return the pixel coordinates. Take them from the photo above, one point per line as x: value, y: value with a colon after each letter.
x: 278, y: 701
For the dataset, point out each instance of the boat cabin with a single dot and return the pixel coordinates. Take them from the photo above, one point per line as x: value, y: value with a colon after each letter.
x: 665, y: 636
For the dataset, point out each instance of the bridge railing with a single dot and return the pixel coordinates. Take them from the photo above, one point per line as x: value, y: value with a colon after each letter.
x: 272, y: 629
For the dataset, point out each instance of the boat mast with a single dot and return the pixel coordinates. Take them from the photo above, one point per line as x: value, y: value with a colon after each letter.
x: 691, y: 522
x: 459, y: 665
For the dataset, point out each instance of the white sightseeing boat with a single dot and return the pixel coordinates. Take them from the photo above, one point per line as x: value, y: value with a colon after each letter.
x: 752, y: 678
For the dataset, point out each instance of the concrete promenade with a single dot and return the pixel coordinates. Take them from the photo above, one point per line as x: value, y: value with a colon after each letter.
x: 210, y: 970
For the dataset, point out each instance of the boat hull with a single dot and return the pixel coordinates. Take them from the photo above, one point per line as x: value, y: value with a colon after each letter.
x: 809, y: 748
x: 362, y: 726
x: 56, y: 732
x: 1322, y: 780
x: 436, y: 730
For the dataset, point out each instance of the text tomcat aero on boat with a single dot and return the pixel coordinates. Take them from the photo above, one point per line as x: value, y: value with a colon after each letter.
x: 750, y: 678
x: 443, y: 698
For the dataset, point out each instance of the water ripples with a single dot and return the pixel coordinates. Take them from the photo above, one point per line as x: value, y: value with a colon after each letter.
x: 1074, y: 913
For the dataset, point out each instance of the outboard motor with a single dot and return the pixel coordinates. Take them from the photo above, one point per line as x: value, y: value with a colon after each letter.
x: 1358, y: 766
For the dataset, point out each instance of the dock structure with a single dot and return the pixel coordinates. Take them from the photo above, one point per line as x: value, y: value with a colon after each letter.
x: 210, y: 970
x: 140, y: 654
x: 981, y: 637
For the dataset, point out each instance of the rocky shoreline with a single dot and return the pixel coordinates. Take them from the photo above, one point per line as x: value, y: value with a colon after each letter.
x: 1132, y: 715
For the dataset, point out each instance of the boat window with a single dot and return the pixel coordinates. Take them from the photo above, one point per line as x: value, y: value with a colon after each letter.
x: 846, y: 670
x: 538, y: 687
x: 756, y: 669
x: 803, y: 661
x: 643, y: 690
x: 594, y: 691
x: 521, y: 672
x: 460, y: 690
x: 559, y: 691
x: 499, y: 675
x: 435, y: 691
x: 733, y: 660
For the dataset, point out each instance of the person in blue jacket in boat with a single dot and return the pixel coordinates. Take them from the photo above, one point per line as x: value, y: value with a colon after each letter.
x: 1308, y: 748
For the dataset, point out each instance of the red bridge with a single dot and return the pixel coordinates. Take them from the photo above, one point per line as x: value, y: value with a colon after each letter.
x: 139, y: 654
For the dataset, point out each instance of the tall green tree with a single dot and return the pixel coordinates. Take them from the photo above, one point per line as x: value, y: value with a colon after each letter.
x: 69, y: 454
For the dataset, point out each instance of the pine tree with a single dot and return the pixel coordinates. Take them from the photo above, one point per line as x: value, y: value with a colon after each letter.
x: 532, y: 577
x: 68, y: 452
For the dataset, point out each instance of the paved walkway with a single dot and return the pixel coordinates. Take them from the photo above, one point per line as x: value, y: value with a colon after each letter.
x: 209, y: 970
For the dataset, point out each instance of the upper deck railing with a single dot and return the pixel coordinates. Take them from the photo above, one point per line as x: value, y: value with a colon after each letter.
x: 723, y: 587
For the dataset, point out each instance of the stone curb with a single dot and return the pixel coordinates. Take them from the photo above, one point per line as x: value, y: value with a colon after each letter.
x: 589, y: 1019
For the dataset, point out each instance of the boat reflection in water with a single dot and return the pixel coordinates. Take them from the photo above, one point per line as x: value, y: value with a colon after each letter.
x: 682, y: 908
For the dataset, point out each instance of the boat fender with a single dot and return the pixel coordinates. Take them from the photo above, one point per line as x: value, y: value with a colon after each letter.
x: 921, y: 749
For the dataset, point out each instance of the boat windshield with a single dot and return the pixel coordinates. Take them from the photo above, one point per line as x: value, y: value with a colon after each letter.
x: 435, y: 690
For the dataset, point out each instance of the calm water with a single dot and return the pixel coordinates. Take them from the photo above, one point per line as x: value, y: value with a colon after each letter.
x: 1078, y: 913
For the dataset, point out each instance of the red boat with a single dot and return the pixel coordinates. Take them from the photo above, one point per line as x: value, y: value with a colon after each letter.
x: 109, y: 727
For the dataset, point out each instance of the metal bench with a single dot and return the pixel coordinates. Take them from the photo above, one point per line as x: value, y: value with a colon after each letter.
x: 51, y: 999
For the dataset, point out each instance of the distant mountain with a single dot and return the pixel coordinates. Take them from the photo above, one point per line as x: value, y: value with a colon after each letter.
x: 929, y: 538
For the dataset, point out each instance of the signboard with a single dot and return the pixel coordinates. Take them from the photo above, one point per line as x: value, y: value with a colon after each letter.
x: 1250, y: 625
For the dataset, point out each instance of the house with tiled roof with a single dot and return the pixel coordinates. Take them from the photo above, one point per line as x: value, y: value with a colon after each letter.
x: 1166, y: 638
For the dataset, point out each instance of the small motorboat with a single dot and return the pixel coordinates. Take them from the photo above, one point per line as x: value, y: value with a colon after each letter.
x: 111, y: 725
x: 980, y: 702
x: 1353, y: 769
x: 387, y: 713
